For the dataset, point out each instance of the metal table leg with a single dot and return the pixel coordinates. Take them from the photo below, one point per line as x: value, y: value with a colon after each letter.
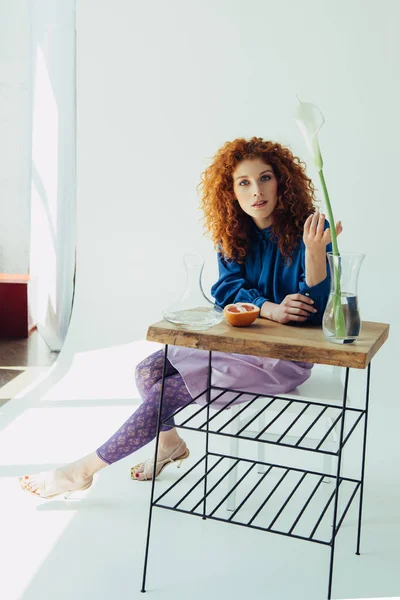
x: 335, y: 510
x: 154, y: 471
x: 207, y: 432
x: 363, y: 459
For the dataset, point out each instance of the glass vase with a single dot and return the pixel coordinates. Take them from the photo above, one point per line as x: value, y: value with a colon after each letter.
x: 341, y: 322
x: 193, y: 310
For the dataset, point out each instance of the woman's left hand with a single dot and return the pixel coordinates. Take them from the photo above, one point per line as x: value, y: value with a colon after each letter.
x: 315, y: 237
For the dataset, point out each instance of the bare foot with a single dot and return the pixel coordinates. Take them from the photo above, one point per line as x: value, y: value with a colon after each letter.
x: 51, y: 483
x: 165, y: 455
x: 74, y: 476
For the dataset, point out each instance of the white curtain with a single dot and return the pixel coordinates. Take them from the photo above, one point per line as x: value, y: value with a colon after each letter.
x: 15, y: 125
x: 53, y: 165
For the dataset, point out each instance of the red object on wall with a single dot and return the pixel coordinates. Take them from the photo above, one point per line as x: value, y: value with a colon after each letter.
x: 15, y: 318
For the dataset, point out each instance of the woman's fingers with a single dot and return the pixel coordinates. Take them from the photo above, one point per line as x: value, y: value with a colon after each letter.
x: 297, y: 318
x: 327, y: 233
x: 314, y: 222
x: 307, y: 224
x: 302, y: 308
x: 299, y: 311
x: 299, y: 305
x: 298, y: 298
x: 314, y: 225
x: 320, y: 225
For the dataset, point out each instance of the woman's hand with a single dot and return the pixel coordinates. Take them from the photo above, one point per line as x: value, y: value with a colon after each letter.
x: 295, y: 307
x: 315, y: 237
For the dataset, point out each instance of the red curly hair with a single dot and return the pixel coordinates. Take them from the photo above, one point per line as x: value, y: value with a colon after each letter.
x: 227, y: 224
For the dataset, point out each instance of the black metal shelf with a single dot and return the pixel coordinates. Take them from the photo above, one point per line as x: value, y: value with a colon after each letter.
x: 283, y: 500
x: 220, y: 419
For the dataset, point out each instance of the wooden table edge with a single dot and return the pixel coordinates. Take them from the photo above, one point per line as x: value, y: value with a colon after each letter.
x: 272, y: 349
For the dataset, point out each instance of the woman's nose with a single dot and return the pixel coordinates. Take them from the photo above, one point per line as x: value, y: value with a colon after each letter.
x: 257, y: 192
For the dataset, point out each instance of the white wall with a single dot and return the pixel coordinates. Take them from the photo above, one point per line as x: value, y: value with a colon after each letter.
x: 162, y: 85
x: 15, y: 119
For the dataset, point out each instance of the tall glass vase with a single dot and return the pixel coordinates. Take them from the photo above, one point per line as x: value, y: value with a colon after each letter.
x: 341, y: 322
x: 193, y: 310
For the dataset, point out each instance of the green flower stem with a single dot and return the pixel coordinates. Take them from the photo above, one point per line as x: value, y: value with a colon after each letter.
x: 340, y: 326
x: 330, y: 214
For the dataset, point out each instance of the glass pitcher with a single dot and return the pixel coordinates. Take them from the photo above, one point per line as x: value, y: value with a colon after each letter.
x: 193, y: 310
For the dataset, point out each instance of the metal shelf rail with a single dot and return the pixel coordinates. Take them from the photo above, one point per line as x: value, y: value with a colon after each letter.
x: 303, y: 489
x: 219, y: 421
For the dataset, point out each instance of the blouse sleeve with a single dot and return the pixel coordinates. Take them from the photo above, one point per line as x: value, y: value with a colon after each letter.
x: 320, y: 292
x: 232, y: 285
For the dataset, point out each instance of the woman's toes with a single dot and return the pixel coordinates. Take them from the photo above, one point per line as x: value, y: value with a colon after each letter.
x: 28, y: 483
x: 33, y: 485
x: 138, y: 472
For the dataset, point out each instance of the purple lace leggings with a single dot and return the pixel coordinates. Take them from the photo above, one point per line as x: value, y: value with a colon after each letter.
x: 141, y: 427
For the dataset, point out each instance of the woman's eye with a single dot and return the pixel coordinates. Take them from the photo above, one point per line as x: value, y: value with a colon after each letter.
x: 244, y: 182
x: 265, y: 178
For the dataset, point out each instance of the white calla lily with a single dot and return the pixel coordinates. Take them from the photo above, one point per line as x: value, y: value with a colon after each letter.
x: 310, y: 119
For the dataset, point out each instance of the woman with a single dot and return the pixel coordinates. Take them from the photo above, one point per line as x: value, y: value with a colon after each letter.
x: 258, y: 205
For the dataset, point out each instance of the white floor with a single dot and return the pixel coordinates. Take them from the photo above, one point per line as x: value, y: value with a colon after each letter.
x: 93, y: 546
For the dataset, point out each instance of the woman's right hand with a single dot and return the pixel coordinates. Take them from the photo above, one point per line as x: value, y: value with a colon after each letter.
x: 295, y: 307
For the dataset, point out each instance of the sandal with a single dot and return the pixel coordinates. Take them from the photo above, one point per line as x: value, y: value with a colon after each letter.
x: 148, y: 464
x: 42, y: 492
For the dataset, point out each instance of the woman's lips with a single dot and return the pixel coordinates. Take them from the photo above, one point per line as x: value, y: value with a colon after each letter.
x: 260, y: 204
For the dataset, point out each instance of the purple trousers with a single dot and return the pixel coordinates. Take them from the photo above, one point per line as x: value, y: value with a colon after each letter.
x: 187, y: 369
x: 141, y: 427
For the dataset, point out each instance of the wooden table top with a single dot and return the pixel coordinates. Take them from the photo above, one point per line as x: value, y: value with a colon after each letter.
x: 267, y: 338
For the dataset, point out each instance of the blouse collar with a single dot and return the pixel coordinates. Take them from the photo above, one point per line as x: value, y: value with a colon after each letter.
x: 263, y: 234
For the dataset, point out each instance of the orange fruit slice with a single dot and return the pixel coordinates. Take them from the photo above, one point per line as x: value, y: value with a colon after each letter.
x: 241, y: 314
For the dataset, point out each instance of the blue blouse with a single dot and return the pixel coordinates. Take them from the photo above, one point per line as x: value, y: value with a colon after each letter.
x: 266, y: 276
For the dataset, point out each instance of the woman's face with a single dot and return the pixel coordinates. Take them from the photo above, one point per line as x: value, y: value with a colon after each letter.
x: 255, y: 187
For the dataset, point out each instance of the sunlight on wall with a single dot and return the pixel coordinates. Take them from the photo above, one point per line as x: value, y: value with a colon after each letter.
x: 44, y: 190
x: 45, y: 135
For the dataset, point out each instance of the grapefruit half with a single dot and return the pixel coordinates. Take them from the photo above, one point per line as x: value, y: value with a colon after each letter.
x: 241, y: 314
